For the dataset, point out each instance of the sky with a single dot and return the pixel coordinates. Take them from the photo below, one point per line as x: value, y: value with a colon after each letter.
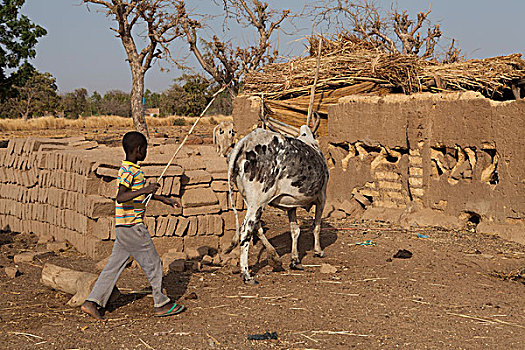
x: 82, y: 52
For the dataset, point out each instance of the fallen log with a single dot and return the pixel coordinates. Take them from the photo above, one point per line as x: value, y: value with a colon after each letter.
x: 74, y: 282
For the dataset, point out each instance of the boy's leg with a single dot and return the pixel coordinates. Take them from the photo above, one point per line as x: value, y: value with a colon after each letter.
x: 149, y: 260
x: 108, y: 277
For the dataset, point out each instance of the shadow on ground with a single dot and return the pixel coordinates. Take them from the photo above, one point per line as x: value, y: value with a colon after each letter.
x: 283, y: 242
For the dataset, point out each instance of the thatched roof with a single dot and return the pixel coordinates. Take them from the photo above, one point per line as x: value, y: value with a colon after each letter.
x: 346, y: 62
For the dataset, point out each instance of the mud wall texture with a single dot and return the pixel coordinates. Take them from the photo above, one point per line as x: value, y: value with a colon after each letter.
x: 64, y: 190
x: 445, y: 160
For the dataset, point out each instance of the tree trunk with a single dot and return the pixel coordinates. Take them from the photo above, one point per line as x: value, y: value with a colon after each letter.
x: 73, y: 282
x: 137, y: 94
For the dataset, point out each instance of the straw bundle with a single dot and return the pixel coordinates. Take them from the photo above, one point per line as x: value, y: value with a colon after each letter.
x: 347, y: 61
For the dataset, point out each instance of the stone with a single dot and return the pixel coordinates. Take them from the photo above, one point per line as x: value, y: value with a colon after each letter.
x: 362, y: 199
x: 337, y: 214
x: 206, y: 260
x: 210, y: 209
x: 57, y: 246
x: 327, y: 268
x: 194, y: 254
x: 31, y: 256
x: 173, y: 261
x: 11, y: 272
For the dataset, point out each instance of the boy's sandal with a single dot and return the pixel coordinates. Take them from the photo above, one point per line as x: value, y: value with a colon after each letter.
x: 175, y: 309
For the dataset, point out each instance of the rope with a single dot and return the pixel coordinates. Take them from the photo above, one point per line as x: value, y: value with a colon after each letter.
x: 147, y: 199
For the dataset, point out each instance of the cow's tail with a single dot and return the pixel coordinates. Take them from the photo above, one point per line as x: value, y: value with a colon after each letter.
x: 232, y: 158
x: 215, y: 134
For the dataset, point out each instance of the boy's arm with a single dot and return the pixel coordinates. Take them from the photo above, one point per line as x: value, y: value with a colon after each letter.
x: 166, y: 200
x: 126, y: 194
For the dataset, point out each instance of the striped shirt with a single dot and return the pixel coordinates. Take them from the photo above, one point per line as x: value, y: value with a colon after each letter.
x: 131, y: 212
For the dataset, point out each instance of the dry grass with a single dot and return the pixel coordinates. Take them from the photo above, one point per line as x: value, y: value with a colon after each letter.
x: 345, y: 62
x: 99, y: 122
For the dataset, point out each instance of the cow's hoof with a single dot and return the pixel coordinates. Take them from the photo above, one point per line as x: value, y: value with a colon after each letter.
x: 296, y: 266
x: 251, y: 282
x: 319, y: 254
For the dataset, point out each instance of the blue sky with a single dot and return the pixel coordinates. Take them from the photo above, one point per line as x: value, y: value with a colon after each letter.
x: 81, y: 51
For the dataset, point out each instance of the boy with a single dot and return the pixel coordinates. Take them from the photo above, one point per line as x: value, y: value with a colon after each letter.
x: 132, y: 236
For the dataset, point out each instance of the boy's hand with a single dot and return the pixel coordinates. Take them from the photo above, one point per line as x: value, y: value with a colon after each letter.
x: 151, y: 188
x: 169, y: 201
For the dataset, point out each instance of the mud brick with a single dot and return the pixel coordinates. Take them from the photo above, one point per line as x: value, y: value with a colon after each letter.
x: 173, y: 261
x: 107, y: 187
x: 219, y: 186
x: 196, y: 242
x: 202, y: 224
x: 198, y: 197
x: 150, y: 223
x: 192, y: 226
x: 101, y: 228
x: 104, y: 171
x: 239, y: 201
x: 182, y: 226
x: 165, y: 244
x: 229, y: 219
x: 210, y: 209
x: 216, y: 165
x: 97, y: 206
x: 192, y: 177
x: 162, y: 225
x: 191, y: 163
x: 215, y: 225
x: 175, y: 187
x: 156, y: 170
x: 223, y: 200
x: 166, y: 186
x: 97, y: 249
x: 157, y: 208
x: 172, y: 225
x: 226, y: 239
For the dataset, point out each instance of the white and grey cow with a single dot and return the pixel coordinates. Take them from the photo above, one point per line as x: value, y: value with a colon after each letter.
x: 223, y: 135
x: 284, y: 172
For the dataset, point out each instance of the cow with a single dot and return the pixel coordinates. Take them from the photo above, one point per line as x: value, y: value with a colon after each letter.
x: 269, y: 168
x: 223, y: 135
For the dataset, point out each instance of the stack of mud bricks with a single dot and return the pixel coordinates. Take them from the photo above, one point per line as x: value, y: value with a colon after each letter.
x: 64, y: 190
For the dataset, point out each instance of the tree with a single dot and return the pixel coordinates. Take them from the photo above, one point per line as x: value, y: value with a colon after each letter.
x: 160, y: 20
x: 75, y: 103
x: 392, y: 33
x: 36, y: 97
x: 221, y: 59
x: 116, y: 102
x: 18, y: 37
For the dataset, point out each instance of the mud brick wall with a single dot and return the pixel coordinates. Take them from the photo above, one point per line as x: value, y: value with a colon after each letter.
x: 456, y: 155
x: 454, y: 158
x: 64, y: 189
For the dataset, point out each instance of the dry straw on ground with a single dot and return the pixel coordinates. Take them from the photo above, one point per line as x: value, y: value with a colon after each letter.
x: 99, y: 122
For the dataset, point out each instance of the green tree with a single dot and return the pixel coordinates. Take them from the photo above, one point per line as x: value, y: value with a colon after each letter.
x: 116, y: 102
x: 75, y: 103
x: 18, y: 37
x: 94, y: 103
x: 36, y: 97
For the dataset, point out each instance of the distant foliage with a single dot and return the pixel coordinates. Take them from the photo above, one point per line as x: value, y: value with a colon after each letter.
x: 18, y: 37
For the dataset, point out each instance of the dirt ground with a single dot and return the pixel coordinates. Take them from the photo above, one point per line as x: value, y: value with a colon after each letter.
x: 445, y: 296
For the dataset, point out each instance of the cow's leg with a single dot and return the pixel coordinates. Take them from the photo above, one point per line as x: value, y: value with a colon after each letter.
x: 295, y: 231
x: 249, y: 225
x: 317, y: 230
x: 273, y: 258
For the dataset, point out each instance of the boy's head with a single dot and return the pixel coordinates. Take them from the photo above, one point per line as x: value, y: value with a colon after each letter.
x: 135, y: 145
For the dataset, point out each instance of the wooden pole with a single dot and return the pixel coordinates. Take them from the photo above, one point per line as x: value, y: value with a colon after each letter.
x: 312, y: 91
